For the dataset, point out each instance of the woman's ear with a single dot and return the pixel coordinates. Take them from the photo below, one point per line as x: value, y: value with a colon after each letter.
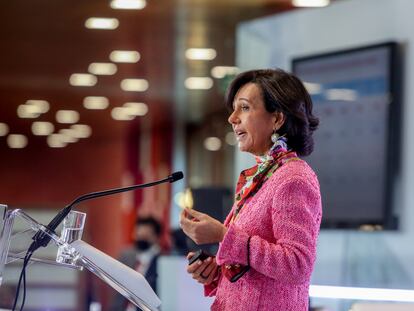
x: 279, y: 120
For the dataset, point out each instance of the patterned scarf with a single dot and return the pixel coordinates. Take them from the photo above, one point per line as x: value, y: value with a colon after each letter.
x: 253, y: 178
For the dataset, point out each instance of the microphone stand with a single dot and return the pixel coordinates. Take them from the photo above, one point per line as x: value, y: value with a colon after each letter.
x: 40, y: 239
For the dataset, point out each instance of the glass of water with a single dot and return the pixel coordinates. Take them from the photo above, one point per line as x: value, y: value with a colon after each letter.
x: 72, y: 230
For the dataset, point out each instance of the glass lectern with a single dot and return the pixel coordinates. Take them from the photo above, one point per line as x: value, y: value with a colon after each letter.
x: 128, y: 282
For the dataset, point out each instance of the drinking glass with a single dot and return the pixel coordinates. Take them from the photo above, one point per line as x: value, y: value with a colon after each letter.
x: 72, y: 230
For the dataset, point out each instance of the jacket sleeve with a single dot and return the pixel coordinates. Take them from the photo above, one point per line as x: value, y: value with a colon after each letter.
x: 211, y: 289
x: 289, y: 258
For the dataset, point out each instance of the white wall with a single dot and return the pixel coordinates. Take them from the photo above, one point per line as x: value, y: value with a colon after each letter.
x: 347, y: 258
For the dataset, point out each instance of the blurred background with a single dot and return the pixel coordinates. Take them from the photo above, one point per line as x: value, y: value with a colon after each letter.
x: 102, y: 94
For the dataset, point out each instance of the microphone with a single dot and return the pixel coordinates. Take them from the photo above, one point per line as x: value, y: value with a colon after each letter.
x: 40, y: 239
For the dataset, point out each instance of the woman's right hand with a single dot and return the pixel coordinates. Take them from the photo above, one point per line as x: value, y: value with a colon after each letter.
x: 204, y: 271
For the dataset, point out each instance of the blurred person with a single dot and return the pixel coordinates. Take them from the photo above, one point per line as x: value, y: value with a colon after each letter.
x: 7, y: 293
x: 142, y: 257
x: 268, y: 241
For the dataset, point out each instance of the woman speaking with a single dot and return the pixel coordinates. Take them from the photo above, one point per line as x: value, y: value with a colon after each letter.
x: 268, y: 241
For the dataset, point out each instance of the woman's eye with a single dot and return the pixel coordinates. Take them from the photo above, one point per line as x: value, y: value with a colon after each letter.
x: 244, y: 108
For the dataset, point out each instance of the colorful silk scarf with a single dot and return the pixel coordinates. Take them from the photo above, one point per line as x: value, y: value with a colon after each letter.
x: 252, y: 179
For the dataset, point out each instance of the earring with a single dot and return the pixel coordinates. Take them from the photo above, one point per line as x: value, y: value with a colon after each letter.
x: 275, y: 136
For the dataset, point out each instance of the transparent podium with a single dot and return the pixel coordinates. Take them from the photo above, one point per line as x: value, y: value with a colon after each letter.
x: 128, y: 282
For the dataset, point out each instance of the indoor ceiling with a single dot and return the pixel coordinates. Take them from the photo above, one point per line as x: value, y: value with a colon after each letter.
x: 44, y: 42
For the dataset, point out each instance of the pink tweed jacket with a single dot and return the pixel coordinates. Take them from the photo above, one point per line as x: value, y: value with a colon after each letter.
x: 283, y: 220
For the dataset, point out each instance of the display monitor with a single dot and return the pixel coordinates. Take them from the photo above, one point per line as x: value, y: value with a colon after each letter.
x: 356, y: 157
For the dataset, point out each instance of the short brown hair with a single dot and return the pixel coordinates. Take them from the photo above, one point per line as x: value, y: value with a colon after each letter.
x: 282, y: 92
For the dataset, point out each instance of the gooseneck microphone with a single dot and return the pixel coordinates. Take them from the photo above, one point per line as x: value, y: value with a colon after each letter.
x: 40, y: 239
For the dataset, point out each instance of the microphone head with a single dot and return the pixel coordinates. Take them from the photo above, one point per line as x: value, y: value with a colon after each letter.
x: 176, y: 176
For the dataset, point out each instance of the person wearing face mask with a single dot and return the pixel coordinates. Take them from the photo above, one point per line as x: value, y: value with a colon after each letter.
x: 267, y: 244
x: 142, y: 257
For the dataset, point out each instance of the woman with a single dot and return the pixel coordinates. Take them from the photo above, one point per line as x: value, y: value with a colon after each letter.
x: 268, y: 241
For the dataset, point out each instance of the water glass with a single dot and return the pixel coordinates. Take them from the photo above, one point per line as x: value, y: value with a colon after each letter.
x: 72, y: 230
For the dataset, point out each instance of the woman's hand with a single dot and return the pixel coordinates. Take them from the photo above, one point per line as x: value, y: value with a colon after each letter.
x: 203, y: 272
x: 201, y: 228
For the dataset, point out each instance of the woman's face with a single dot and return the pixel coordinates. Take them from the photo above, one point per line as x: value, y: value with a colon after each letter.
x: 252, y: 124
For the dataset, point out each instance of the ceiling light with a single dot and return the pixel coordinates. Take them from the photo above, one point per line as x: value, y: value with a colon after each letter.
x: 4, y: 129
x: 201, y: 54
x: 121, y: 114
x: 118, y: 56
x: 231, y: 139
x: 95, y: 102
x: 310, y: 3
x: 128, y: 4
x: 67, y: 116
x: 135, y: 85
x: 212, y: 143
x: 68, y: 136
x: 81, y: 130
x: 184, y: 199
x: 220, y: 72
x: 28, y: 111
x: 136, y: 109
x: 55, y: 141
x: 17, y: 141
x: 102, y: 69
x: 82, y: 79
x: 101, y: 23
x: 198, y: 83
x: 42, y: 106
x: 361, y: 293
x: 33, y: 108
x: 42, y: 128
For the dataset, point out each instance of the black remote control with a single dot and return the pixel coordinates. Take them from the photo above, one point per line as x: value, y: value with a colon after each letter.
x: 200, y: 254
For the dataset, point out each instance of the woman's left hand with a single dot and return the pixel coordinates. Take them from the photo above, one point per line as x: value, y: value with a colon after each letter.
x: 201, y: 228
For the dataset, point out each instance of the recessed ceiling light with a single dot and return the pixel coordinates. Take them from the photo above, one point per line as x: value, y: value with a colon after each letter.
x: 56, y: 141
x: 105, y: 69
x: 184, y: 199
x: 310, y: 3
x: 40, y: 128
x: 4, y: 129
x: 212, y: 143
x: 68, y: 136
x: 136, y: 109
x: 82, y: 79
x: 220, y: 72
x: 198, y: 83
x: 81, y: 130
x: 119, y: 56
x: 17, y: 141
x: 121, y: 114
x: 201, y: 54
x: 95, y: 102
x: 67, y: 116
x: 101, y: 23
x: 134, y: 85
x: 42, y: 106
x: 231, y: 139
x: 27, y: 111
x: 128, y: 4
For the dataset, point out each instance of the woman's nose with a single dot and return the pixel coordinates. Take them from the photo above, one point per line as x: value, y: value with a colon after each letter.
x: 233, y: 119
